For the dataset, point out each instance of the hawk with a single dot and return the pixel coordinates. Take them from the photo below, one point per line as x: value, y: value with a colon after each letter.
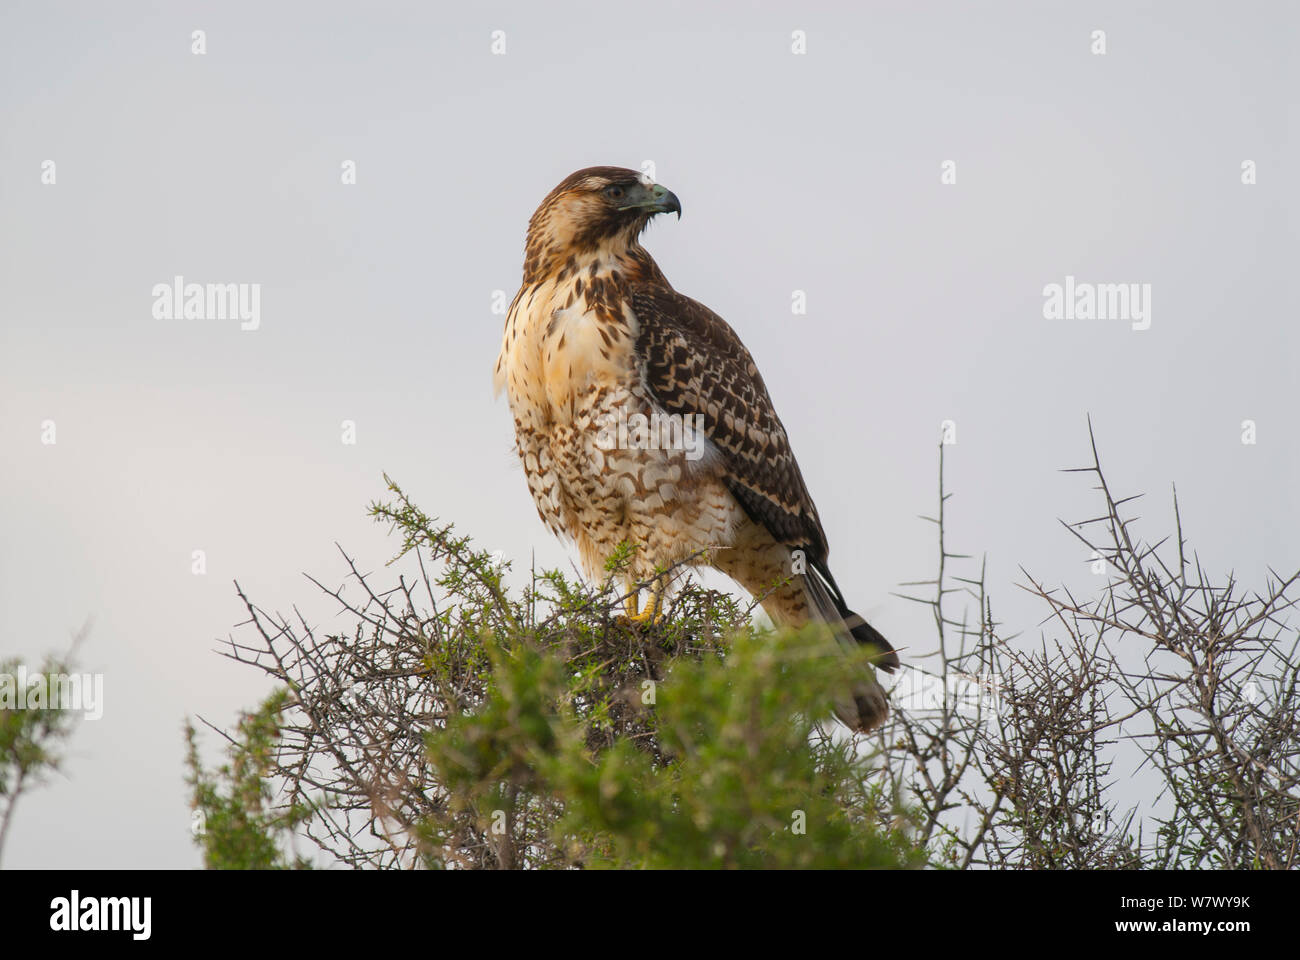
x: 640, y: 417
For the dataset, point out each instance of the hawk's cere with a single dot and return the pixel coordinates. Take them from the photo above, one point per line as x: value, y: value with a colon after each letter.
x: 641, y: 417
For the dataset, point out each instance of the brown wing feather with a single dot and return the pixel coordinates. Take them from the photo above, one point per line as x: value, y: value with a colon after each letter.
x: 694, y: 363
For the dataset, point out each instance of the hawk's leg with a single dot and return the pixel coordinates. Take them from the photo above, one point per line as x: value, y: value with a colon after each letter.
x: 652, y: 612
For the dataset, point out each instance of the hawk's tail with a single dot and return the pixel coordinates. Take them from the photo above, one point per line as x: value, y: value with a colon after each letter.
x: 864, y: 705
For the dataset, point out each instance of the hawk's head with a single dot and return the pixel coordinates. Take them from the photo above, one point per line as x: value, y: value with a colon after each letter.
x: 595, y: 208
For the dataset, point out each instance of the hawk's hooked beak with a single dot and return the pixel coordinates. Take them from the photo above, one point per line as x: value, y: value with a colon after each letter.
x: 652, y: 197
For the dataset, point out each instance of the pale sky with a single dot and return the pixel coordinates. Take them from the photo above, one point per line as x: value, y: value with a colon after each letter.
x: 819, y: 172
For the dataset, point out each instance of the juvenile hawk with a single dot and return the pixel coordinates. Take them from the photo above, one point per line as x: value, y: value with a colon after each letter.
x: 641, y: 417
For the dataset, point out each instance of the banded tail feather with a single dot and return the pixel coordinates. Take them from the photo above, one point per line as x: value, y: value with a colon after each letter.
x: 863, y: 705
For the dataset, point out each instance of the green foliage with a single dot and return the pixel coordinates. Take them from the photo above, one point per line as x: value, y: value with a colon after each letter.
x: 235, y: 824
x: 465, y: 721
x: 30, y: 738
x: 746, y: 779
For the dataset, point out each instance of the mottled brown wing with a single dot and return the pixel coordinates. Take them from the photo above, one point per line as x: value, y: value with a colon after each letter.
x: 695, y: 364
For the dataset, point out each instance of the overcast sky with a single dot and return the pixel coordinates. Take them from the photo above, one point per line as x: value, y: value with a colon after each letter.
x: 819, y: 172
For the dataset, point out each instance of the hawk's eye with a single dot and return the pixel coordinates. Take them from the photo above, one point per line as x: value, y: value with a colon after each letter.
x: 614, y: 192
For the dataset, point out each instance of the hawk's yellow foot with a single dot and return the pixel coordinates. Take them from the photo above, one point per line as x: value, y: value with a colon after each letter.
x: 648, y: 615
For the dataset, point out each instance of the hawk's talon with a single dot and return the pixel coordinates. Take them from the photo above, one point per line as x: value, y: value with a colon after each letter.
x: 647, y: 617
x: 641, y: 617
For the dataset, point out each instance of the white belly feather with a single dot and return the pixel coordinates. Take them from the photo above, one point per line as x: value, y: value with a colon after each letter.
x: 572, y: 377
